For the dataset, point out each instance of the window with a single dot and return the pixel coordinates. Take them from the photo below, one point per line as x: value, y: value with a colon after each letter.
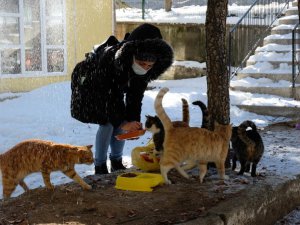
x: 32, y: 38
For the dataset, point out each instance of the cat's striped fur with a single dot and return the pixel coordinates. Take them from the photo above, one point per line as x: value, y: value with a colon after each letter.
x: 154, y: 125
x: 191, y: 143
x: 41, y: 156
x: 185, y: 111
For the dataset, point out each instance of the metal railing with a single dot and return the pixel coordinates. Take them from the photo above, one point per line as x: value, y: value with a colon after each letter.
x: 146, y: 6
x: 295, y: 54
x: 262, y: 14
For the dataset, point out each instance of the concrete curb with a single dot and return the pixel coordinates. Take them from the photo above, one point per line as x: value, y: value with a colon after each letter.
x: 289, y: 112
x: 2, y: 99
x: 265, y: 203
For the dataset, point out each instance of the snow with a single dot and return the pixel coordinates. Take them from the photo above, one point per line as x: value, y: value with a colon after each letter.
x: 262, y: 82
x: 271, y: 56
x: 44, y: 113
x: 190, y: 64
x: 187, y: 14
x: 273, y: 47
x: 266, y: 67
x: 292, y: 17
x: 283, y: 26
x: 279, y: 36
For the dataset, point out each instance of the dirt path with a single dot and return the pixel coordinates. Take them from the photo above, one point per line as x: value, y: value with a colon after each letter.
x: 104, y: 204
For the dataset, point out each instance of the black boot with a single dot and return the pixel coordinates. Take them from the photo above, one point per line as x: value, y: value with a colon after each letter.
x: 102, y: 169
x: 117, y: 165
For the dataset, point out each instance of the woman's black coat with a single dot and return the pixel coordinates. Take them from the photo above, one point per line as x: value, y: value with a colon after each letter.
x: 119, y: 91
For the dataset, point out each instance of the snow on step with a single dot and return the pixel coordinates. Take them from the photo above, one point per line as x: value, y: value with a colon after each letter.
x: 271, y: 56
x: 247, y: 98
x: 261, y: 82
x: 267, y: 68
x: 274, y: 47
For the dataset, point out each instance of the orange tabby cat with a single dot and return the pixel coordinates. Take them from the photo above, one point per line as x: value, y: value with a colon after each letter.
x: 154, y: 125
x: 191, y: 143
x: 41, y: 156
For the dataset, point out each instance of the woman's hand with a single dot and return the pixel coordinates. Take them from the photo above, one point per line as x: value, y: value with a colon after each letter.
x: 131, y: 126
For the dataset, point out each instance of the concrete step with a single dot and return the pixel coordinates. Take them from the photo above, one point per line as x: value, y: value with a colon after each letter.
x: 272, y: 76
x: 274, y: 111
x: 275, y: 64
x: 293, y: 19
x: 291, y: 11
x: 276, y: 48
x: 285, y: 39
x: 273, y: 58
x: 294, y: 3
x: 275, y: 51
x: 284, y: 29
x: 281, y: 88
x: 278, y: 96
x: 281, y: 41
x: 286, y: 92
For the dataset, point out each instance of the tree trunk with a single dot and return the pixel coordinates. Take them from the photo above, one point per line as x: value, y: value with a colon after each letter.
x: 168, y: 5
x: 217, y: 74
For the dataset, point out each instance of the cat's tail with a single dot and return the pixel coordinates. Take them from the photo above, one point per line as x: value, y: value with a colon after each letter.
x: 248, y: 123
x: 185, y: 111
x: 205, y: 116
x: 160, y: 110
x: 242, y: 132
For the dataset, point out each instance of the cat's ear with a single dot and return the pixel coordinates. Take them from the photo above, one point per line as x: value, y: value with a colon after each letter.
x: 147, y: 116
x: 89, y: 146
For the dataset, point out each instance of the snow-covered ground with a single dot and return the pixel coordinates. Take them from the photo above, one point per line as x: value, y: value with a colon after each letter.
x: 44, y: 113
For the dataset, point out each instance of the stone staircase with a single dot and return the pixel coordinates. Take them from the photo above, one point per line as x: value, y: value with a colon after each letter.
x: 269, y: 72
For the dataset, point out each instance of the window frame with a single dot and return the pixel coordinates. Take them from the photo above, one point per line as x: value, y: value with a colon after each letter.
x: 44, y: 46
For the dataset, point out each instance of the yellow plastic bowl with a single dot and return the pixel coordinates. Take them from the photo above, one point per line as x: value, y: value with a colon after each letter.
x: 140, y: 162
x: 138, y: 181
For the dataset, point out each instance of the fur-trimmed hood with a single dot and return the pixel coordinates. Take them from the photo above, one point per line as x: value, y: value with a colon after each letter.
x: 157, y: 47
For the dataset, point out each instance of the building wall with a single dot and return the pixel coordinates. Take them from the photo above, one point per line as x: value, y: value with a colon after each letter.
x: 188, y: 40
x: 94, y: 23
x: 88, y: 23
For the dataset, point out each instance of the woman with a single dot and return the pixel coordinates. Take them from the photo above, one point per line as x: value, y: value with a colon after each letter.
x: 125, y: 71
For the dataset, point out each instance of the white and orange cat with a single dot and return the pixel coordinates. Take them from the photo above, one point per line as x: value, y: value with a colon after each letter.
x: 41, y: 156
x: 195, y: 144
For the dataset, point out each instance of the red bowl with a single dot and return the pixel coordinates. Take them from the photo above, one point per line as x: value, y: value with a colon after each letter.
x: 131, y: 135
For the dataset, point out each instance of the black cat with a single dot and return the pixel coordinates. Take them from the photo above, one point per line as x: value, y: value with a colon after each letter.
x: 248, y: 147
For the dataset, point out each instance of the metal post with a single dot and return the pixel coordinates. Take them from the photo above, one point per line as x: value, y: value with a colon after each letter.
x: 143, y: 9
x: 229, y: 55
x: 293, y: 58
